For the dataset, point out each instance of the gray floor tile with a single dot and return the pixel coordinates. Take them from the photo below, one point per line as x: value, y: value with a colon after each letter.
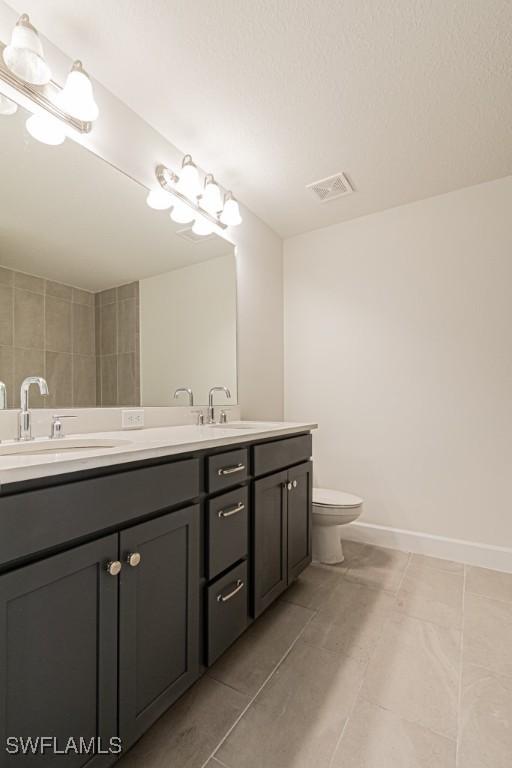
x: 351, y: 620
x: 432, y: 594
x: 415, y: 672
x: 488, y: 633
x: 375, y: 567
x: 493, y: 584
x: 295, y: 722
x: 313, y: 587
x: 189, y: 732
x: 377, y: 738
x: 424, y: 561
x: 486, y: 720
x: 247, y: 664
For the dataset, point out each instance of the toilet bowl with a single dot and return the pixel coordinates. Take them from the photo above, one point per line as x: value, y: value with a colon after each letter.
x: 331, y: 510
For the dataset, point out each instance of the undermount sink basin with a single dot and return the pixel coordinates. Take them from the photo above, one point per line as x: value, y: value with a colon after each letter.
x: 36, y: 447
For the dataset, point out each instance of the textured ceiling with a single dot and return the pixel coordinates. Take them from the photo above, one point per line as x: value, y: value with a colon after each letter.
x: 410, y: 98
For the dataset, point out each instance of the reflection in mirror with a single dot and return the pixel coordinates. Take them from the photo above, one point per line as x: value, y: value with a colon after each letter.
x: 111, y: 302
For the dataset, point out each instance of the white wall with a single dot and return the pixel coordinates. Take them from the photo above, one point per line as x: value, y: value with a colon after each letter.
x: 398, y: 341
x: 188, y: 332
x: 124, y: 139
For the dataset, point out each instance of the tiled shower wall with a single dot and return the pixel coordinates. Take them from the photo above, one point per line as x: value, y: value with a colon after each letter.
x: 117, y: 346
x: 49, y: 329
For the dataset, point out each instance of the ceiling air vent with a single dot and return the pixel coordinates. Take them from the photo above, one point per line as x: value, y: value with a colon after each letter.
x: 331, y: 188
x: 188, y: 234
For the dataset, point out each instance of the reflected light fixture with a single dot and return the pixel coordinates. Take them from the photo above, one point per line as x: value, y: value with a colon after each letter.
x: 159, y: 200
x: 182, y: 214
x: 77, y: 98
x: 202, y: 226
x: 231, y: 212
x: 189, y: 183
x: 24, y: 55
x: 46, y: 129
x: 7, y: 107
x: 211, y: 199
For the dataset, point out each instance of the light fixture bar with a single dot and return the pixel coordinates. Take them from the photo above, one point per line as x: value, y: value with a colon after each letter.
x: 163, y: 174
x: 38, y: 95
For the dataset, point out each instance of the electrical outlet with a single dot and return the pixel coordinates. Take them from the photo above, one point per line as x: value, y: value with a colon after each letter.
x: 132, y: 419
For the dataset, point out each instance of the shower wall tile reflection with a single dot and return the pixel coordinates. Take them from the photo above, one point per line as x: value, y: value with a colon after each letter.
x: 84, y: 345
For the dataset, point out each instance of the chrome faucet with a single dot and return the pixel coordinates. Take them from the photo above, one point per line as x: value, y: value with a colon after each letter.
x: 211, y: 410
x: 187, y: 391
x: 25, y: 416
x: 3, y: 396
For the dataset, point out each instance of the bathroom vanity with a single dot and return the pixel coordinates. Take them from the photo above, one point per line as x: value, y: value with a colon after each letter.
x: 126, y: 572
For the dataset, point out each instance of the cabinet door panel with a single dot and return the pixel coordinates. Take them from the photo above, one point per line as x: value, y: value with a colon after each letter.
x: 159, y: 617
x: 299, y: 519
x: 59, y: 640
x: 269, y: 540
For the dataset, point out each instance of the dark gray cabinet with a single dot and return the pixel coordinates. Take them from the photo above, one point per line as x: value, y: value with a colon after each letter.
x: 158, y: 618
x: 281, y: 532
x: 58, y: 651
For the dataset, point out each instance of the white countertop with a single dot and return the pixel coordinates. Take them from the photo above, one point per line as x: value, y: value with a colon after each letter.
x: 134, y: 445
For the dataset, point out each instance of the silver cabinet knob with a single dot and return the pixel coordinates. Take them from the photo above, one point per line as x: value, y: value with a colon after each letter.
x: 133, y: 559
x: 289, y: 486
x: 114, y: 567
x: 294, y: 483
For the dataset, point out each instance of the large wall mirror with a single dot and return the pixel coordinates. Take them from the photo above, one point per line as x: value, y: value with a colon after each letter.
x: 111, y: 302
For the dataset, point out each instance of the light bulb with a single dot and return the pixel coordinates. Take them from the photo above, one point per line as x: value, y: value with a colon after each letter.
x: 159, y: 200
x: 24, y: 55
x: 231, y: 213
x: 189, y: 183
x: 182, y: 214
x: 46, y: 129
x: 211, y: 199
x: 7, y: 107
x: 202, y: 226
x: 77, y: 98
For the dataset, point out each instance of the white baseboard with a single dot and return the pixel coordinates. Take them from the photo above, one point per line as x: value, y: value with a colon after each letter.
x: 470, y: 552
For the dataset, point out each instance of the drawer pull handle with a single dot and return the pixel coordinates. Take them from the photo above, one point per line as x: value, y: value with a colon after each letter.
x: 231, y: 470
x: 113, y: 567
x: 232, y: 510
x: 133, y: 559
x: 224, y: 598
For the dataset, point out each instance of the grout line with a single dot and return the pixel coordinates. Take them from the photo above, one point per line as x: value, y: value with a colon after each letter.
x: 459, y: 697
x: 262, y: 686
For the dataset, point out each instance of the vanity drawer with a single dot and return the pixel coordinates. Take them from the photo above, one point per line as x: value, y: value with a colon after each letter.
x: 38, y: 520
x: 270, y: 457
x: 228, y: 522
x: 227, y: 469
x: 227, y: 611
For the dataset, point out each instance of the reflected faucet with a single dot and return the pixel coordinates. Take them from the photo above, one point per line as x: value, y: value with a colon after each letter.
x: 3, y: 396
x: 211, y: 410
x: 25, y: 416
x: 187, y: 391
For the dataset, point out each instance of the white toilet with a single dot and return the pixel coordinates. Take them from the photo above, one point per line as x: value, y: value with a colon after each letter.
x: 331, y: 510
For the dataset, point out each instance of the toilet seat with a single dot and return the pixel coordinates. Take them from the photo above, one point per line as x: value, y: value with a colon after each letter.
x: 329, y: 499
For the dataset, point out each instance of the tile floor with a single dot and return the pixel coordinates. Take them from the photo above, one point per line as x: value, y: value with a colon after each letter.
x: 387, y: 661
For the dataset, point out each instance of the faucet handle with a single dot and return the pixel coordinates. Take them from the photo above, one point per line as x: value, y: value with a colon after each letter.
x: 57, y: 429
x: 200, y: 417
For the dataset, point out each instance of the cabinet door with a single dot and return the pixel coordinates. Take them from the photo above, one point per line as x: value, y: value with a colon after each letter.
x: 299, y: 518
x: 269, y: 540
x: 159, y: 618
x: 58, y: 651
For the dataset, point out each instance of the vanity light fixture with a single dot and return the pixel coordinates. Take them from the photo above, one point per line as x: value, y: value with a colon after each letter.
x: 77, y: 98
x: 24, y: 55
x: 159, y: 200
x: 7, y: 106
x: 206, y: 210
x: 189, y: 182
x: 25, y: 80
x: 230, y: 215
x: 211, y: 199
